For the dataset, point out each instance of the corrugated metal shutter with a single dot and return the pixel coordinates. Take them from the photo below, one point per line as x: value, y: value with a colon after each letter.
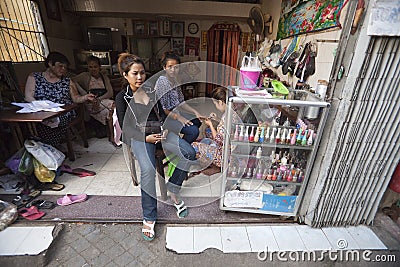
x: 367, y: 148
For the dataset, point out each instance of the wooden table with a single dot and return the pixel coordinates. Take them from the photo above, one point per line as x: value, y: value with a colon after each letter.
x: 14, y: 119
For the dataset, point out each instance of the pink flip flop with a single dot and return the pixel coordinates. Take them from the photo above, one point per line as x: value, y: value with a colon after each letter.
x: 69, y: 199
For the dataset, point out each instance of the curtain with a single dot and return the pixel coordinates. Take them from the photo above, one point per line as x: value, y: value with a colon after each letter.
x: 223, y: 45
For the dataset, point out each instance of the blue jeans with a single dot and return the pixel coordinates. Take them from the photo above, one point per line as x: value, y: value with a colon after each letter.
x: 147, y: 162
x: 190, y: 133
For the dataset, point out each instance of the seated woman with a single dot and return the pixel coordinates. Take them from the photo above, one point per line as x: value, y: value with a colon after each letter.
x: 210, y: 150
x: 168, y: 90
x: 52, y: 84
x: 102, y: 107
x: 136, y: 107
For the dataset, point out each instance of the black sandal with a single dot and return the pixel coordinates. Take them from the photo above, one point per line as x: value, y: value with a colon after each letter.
x: 22, y: 200
x: 41, y: 204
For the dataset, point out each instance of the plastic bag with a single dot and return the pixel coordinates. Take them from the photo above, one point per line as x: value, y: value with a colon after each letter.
x: 42, y: 173
x: 26, y: 163
x: 13, y: 162
x: 49, y: 156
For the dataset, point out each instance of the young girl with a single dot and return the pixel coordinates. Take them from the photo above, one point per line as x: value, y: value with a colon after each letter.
x: 212, y: 149
x: 136, y: 106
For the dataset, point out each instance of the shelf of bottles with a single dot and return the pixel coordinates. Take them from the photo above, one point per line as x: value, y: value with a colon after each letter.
x: 267, y: 163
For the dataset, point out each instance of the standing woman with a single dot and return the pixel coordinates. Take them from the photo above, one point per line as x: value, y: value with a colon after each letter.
x: 186, y: 120
x: 135, y: 106
x: 101, y: 107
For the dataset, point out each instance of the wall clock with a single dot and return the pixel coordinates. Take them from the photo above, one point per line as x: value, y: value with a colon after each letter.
x: 193, y: 28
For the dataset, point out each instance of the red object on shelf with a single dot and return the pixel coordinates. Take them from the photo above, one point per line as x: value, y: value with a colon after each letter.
x: 395, y: 181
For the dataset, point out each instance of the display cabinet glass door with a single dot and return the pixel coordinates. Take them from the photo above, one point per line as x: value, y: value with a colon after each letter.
x: 269, y: 152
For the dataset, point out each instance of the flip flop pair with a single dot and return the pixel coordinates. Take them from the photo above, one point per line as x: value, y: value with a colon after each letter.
x: 69, y: 199
x: 31, y: 213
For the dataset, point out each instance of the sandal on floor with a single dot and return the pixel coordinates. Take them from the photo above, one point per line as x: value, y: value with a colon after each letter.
x: 150, y: 231
x: 31, y: 213
x: 22, y: 200
x: 41, y: 204
x: 51, y: 186
x: 181, y: 209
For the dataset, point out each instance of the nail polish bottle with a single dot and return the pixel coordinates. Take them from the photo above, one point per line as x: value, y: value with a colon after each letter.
x: 283, y: 136
x: 246, y: 134
x: 298, y: 139
x: 236, y: 135
x: 304, y: 139
x: 266, y: 139
x: 257, y: 135
x: 241, y: 134
x: 278, y: 136
x: 287, y: 138
x: 261, y: 138
x: 274, y: 176
x: 293, y: 139
x: 269, y: 175
x: 310, y: 138
x: 251, y: 136
x: 272, y: 137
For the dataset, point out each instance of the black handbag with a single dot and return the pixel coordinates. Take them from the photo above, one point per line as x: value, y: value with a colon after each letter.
x: 153, y: 127
x: 98, y: 91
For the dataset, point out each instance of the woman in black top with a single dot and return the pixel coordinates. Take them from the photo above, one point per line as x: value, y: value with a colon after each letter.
x: 135, y: 105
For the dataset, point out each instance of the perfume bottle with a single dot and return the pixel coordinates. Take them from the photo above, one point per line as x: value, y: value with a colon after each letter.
x: 236, y: 135
x: 251, y: 136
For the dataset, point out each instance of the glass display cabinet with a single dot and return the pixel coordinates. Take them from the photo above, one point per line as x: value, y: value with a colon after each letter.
x: 269, y: 149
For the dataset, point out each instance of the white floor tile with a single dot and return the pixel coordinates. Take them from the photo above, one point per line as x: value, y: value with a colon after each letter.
x: 365, y: 237
x: 25, y: 240
x: 38, y: 240
x: 313, y: 238
x: 197, y: 186
x: 234, y: 239
x: 180, y: 239
x: 117, y: 162
x: 340, y: 238
x: 261, y: 238
x: 288, y: 238
x: 206, y: 237
x: 108, y: 183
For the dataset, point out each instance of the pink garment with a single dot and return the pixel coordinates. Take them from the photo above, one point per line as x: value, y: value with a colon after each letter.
x: 117, y: 129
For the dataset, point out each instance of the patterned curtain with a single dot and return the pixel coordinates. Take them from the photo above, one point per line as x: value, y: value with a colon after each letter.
x: 223, y: 44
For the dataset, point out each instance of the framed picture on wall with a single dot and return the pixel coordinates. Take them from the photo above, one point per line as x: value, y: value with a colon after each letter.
x: 178, y: 45
x: 153, y: 28
x: 178, y: 29
x: 53, y: 10
x: 139, y: 27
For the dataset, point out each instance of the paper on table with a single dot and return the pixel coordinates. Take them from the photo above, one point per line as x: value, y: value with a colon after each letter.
x: 38, y: 105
